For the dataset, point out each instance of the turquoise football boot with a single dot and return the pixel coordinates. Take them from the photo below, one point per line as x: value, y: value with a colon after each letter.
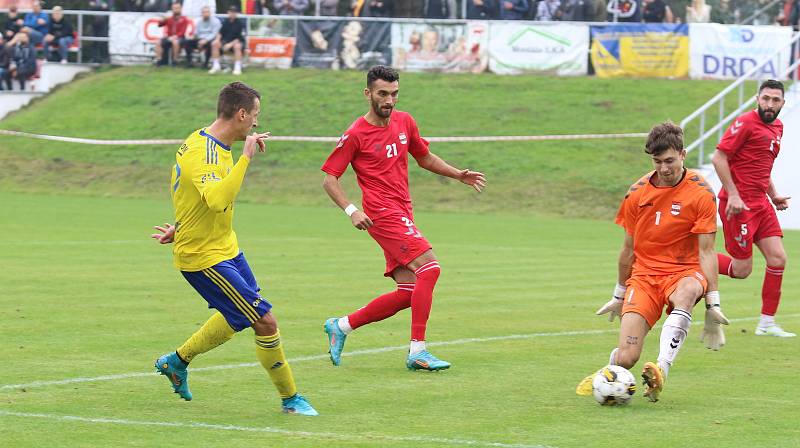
x: 297, y: 404
x: 171, y: 366
x: 425, y: 361
x: 336, y: 338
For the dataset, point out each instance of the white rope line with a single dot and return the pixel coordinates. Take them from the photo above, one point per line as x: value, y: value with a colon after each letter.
x: 369, y: 351
x: 294, y: 138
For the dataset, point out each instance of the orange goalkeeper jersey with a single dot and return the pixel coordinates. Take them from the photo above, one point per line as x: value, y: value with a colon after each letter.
x: 665, y: 221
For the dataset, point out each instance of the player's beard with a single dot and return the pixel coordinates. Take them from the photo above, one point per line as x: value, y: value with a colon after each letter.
x: 380, y: 111
x: 762, y: 113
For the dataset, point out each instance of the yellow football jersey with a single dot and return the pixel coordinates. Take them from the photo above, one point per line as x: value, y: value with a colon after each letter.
x: 204, y: 184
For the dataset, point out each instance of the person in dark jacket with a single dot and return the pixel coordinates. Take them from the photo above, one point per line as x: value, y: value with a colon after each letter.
x: 482, y: 9
x: 13, y: 23
x: 60, y: 34
x: 5, y: 60
x: 23, y: 60
x: 514, y: 9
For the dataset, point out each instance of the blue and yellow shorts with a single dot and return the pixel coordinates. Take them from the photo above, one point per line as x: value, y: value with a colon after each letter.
x: 230, y: 288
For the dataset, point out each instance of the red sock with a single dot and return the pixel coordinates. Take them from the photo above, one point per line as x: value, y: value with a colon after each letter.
x: 383, y: 306
x: 771, y: 291
x: 725, y: 265
x: 422, y: 298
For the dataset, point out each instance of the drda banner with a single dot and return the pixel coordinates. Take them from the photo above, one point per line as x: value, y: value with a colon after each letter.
x: 633, y: 49
x: 556, y: 48
x: 730, y: 51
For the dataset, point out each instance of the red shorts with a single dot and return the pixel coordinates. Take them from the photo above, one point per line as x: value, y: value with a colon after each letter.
x: 747, y: 227
x: 648, y: 294
x: 400, y: 239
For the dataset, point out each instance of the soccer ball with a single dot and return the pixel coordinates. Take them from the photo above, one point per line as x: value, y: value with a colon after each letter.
x: 613, y: 386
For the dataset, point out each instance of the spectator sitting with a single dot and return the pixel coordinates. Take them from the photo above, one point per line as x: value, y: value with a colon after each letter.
x: 4, y: 63
x: 23, y: 61
x: 206, y: 31
x: 13, y: 25
x: 230, y: 38
x: 36, y: 24
x: 329, y: 7
x: 175, y: 27
x: 624, y: 10
x: 723, y: 13
x: 576, y: 11
x: 514, y: 9
x: 291, y: 7
x: 60, y: 35
x: 600, y: 14
x: 656, y: 11
x: 698, y: 12
x: 547, y: 10
x: 377, y: 8
x: 482, y: 9
x: 439, y: 9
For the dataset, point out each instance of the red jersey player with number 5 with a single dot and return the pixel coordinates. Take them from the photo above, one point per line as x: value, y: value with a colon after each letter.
x: 377, y: 146
x: 743, y: 160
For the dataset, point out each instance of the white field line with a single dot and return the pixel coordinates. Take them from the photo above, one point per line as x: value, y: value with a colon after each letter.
x: 370, y: 351
x: 295, y: 138
x: 428, y: 441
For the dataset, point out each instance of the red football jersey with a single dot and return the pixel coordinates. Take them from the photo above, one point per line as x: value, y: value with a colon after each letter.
x: 751, y: 146
x: 379, y: 155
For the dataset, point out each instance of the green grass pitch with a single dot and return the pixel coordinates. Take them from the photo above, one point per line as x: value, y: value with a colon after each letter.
x: 86, y: 294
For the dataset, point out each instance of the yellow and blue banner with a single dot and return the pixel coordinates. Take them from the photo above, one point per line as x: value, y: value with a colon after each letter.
x: 643, y: 50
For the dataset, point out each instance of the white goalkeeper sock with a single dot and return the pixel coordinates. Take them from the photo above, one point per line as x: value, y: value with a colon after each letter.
x: 674, y: 332
x: 344, y: 325
x: 612, y: 359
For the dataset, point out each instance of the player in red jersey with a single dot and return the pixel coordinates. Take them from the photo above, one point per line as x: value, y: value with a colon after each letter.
x: 376, y: 145
x: 743, y: 160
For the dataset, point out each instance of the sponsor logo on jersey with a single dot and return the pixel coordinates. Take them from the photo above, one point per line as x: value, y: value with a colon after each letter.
x: 676, y: 208
x: 341, y: 141
x: 737, y: 125
x: 403, y: 139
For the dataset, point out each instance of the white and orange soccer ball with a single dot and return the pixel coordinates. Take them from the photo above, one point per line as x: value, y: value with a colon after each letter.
x: 613, y: 386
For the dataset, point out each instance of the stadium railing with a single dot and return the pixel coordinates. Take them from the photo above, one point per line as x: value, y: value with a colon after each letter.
x: 716, y: 106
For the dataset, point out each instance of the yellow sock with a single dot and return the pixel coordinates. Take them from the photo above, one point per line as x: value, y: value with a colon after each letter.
x: 269, y: 351
x: 213, y: 333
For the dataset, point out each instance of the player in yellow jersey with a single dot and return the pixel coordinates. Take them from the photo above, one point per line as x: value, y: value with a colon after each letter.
x: 204, y: 185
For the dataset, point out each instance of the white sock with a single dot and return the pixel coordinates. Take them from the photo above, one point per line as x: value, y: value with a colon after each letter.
x: 215, y: 63
x: 766, y: 321
x: 237, y: 65
x: 674, y: 332
x: 416, y: 347
x: 344, y: 325
x: 612, y: 359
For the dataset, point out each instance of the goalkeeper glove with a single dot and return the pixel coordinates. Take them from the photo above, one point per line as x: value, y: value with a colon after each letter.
x: 713, y: 336
x: 613, y: 306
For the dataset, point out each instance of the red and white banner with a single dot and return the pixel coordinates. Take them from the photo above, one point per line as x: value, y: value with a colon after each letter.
x: 133, y: 35
x: 271, y: 52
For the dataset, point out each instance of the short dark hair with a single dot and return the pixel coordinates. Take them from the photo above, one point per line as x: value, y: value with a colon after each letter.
x: 383, y: 72
x: 663, y: 137
x: 771, y: 84
x: 235, y: 96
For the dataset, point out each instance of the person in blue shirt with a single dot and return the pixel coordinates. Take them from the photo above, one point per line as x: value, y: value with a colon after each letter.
x: 513, y: 9
x: 36, y: 24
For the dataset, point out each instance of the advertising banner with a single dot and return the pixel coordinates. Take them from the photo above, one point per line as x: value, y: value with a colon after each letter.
x: 132, y: 36
x: 554, y: 48
x: 342, y: 45
x: 451, y: 48
x: 271, y: 42
x: 729, y: 51
x: 633, y: 49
